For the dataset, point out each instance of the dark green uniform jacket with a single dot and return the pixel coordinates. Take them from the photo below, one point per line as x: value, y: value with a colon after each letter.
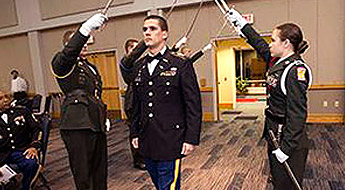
x: 80, y: 81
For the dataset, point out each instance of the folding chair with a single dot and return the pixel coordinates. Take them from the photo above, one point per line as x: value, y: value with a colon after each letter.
x: 45, y: 121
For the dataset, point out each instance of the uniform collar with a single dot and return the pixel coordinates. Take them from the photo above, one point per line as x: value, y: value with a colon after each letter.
x: 162, y: 51
x: 283, y: 58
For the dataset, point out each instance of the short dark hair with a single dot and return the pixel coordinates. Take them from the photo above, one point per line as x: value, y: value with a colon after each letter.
x: 67, y: 36
x: 294, y: 34
x: 129, y: 42
x: 14, y: 71
x: 162, y: 22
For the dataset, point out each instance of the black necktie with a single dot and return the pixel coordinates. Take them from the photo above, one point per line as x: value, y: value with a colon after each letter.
x: 151, y: 58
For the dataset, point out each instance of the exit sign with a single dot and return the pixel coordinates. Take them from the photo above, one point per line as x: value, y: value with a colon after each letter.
x: 249, y: 17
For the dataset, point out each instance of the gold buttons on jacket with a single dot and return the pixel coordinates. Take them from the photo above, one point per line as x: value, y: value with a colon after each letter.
x: 177, y: 126
x: 150, y: 83
x: 150, y: 115
x: 167, y: 92
x: 167, y: 83
x: 150, y: 93
x: 13, y: 147
x: 150, y: 104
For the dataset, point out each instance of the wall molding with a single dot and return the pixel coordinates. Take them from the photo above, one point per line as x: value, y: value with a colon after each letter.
x: 328, y: 87
x: 325, y: 118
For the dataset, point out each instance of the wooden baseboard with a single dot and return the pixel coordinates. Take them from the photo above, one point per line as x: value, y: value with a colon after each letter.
x: 226, y: 106
x: 208, y: 116
x: 326, y: 118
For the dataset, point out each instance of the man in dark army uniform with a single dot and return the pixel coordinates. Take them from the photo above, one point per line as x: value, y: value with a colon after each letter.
x: 288, y: 79
x: 19, y: 140
x: 167, y: 113
x: 83, y: 112
x: 133, y: 50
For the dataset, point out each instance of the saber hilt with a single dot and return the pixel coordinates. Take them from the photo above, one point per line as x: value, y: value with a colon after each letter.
x: 224, y: 8
x: 285, y: 163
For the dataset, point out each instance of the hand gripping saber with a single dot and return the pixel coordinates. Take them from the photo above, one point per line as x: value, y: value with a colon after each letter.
x: 286, y: 165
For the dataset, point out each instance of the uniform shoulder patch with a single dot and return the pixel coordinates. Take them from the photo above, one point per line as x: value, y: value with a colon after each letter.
x: 301, y: 73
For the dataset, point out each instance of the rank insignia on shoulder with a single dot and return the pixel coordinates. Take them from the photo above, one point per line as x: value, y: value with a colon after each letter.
x: 301, y: 73
x: 168, y: 73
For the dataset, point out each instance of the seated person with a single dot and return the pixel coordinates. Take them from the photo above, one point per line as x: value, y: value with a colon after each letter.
x: 19, y: 143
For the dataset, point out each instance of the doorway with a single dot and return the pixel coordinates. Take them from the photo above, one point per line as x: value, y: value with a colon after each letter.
x: 108, y: 69
x: 236, y: 61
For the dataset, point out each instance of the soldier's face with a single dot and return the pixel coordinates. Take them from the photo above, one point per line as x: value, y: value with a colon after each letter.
x: 5, y: 101
x: 277, y: 45
x: 154, y: 36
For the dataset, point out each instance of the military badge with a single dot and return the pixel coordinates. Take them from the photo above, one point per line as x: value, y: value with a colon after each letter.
x: 301, y: 73
x: 165, y: 60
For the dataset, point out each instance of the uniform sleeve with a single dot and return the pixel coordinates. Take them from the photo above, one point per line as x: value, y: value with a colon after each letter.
x: 296, y: 113
x: 196, y: 56
x: 127, y: 63
x: 35, y: 130
x: 64, y: 61
x: 134, y: 124
x: 192, y: 100
x: 257, y: 42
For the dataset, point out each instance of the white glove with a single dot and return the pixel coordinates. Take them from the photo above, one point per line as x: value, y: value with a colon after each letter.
x: 182, y: 41
x: 281, y: 156
x: 93, y: 23
x: 236, y: 18
x: 107, y: 124
x: 207, y: 47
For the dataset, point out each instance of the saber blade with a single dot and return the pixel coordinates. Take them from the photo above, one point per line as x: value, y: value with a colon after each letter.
x: 105, y: 10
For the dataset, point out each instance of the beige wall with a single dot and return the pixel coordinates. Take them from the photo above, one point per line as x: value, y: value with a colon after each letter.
x: 15, y: 54
x: 8, y: 13
x: 322, y: 22
x: 57, y: 8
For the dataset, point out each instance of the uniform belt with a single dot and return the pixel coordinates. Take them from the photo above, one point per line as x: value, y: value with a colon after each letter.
x: 275, y: 117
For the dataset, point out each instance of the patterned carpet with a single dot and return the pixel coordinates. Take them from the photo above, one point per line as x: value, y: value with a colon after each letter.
x: 231, y: 156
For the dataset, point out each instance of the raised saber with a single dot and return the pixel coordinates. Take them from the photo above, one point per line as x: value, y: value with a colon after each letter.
x: 105, y: 10
x: 286, y: 165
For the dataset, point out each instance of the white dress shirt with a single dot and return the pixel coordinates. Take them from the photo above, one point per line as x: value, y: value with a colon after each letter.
x: 152, y: 65
x: 18, y: 85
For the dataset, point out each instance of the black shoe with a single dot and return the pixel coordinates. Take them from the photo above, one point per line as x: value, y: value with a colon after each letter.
x: 140, y: 166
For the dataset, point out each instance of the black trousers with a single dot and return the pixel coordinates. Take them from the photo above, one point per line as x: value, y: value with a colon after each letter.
x: 297, y: 162
x: 87, y: 153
